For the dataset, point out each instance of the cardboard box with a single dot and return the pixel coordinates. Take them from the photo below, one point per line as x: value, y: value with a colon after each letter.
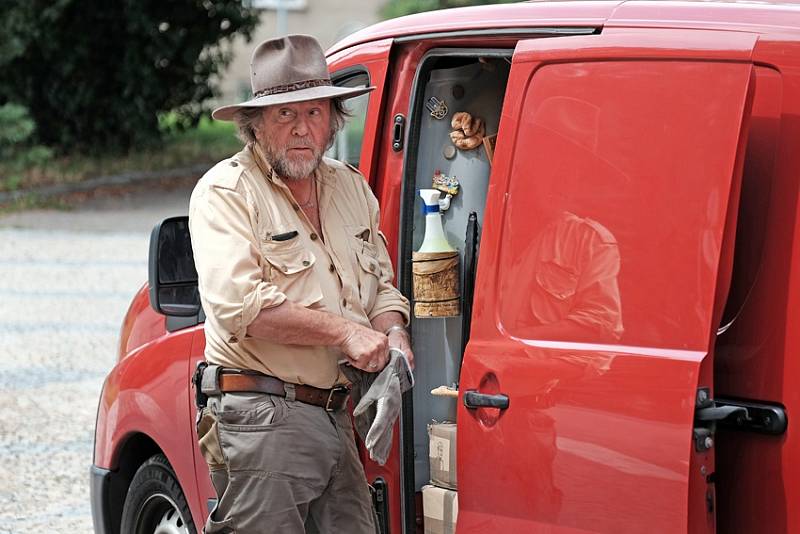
x: 440, y: 508
x: 442, y: 454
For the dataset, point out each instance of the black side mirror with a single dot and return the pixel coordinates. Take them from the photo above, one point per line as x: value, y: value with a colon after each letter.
x: 172, y: 276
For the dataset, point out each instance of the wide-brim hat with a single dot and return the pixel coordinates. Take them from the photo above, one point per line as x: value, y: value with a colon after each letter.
x: 286, y: 70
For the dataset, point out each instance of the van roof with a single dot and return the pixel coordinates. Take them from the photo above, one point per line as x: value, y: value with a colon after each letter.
x: 741, y: 15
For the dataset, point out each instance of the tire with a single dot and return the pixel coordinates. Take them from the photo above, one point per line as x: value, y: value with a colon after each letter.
x: 155, y: 503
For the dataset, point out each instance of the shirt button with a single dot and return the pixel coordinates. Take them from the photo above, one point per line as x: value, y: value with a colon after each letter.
x: 306, y: 263
x: 344, y: 303
x: 331, y: 268
x: 313, y: 237
x: 234, y: 164
x: 285, y: 268
x: 371, y: 267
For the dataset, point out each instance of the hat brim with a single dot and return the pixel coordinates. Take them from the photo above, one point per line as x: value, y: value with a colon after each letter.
x: 226, y: 113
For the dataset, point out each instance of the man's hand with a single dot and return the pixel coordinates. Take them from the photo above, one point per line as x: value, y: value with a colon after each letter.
x: 365, y: 348
x: 392, y: 323
x: 399, y: 339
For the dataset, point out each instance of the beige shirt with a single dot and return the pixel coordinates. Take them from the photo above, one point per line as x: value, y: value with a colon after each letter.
x: 235, y: 211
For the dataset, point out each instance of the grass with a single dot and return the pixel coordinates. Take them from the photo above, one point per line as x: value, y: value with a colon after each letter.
x: 209, y: 142
x: 31, y: 201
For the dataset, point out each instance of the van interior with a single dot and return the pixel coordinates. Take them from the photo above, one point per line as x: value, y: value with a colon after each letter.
x: 449, y: 81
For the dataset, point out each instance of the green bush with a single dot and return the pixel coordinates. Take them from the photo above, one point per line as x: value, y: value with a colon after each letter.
x: 16, y: 151
x: 96, y: 75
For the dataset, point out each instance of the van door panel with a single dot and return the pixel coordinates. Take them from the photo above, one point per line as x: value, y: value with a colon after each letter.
x: 604, y: 266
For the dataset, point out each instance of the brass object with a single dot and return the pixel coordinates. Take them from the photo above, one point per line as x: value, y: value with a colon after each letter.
x: 438, y: 108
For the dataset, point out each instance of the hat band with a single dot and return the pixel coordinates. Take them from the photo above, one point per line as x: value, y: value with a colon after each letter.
x: 296, y: 86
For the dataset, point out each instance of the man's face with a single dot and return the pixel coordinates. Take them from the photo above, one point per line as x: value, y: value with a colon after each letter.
x: 294, y: 136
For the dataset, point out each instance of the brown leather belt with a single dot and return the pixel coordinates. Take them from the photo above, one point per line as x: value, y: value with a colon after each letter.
x: 238, y: 381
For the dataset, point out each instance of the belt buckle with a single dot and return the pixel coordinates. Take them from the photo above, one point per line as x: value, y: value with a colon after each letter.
x: 330, y: 396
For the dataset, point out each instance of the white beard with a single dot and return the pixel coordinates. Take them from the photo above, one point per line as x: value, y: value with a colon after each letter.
x: 289, y: 168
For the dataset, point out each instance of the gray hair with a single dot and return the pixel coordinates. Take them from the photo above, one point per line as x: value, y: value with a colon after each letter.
x: 248, y: 119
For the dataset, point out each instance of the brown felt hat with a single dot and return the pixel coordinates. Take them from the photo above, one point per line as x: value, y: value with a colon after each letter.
x: 289, y: 69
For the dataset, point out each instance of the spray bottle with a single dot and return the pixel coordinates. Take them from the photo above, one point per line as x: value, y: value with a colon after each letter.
x: 434, y: 240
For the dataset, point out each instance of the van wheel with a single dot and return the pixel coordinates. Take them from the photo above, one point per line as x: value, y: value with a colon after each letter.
x: 155, y: 503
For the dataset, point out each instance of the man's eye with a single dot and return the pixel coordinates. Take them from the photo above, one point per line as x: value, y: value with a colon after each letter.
x: 315, y: 112
x: 285, y: 113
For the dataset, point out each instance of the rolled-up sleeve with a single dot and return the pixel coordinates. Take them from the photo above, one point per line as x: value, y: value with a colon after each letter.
x: 228, y: 261
x: 389, y: 298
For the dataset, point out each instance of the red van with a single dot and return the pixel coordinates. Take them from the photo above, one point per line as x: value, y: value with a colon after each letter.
x: 627, y: 232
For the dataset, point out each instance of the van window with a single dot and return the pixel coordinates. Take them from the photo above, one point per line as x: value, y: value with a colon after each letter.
x: 347, y: 145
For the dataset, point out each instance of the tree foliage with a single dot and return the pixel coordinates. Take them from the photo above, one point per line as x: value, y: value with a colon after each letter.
x: 16, y: 151
x: 398, y: 8
x: 95, y: 75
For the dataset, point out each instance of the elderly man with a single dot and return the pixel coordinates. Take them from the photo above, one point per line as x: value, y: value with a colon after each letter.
x: 295, y: 281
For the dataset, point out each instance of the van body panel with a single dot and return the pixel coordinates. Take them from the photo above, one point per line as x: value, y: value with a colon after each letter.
x: 591, y: 14
x: 205, y: 490
x: 756, y: 476
x: 747, y: 16
x: 604, y: 264
x: 634, y: 43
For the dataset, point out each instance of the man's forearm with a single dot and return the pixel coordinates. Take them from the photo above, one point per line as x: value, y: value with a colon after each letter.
x: 292, y: 324
x: 384, y: 321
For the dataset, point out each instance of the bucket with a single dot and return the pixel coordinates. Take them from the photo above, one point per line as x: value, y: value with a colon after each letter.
x: 436, y: 281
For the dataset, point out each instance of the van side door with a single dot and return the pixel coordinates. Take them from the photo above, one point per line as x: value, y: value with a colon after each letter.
x: 604, y: 269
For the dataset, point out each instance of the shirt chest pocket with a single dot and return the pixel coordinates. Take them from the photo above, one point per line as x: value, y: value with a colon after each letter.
x: 290, y: 267
x: 367, y: 268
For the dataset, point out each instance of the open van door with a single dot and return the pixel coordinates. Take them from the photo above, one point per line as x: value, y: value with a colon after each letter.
x: 587, y: 384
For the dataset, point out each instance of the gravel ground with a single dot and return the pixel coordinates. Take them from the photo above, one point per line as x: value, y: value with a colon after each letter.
x: 66, y: 279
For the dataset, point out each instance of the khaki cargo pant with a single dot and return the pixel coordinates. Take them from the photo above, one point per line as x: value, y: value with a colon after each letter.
x: 282, y: 466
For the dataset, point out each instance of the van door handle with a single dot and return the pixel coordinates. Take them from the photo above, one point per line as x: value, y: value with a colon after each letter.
x: 474, y: 400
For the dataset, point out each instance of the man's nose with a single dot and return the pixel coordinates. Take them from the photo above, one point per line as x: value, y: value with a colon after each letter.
x: 300, y: 127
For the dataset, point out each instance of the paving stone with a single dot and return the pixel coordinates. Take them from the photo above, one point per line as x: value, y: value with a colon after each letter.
x: 66, y: 279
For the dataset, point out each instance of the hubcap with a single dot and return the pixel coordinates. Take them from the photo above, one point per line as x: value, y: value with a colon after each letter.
x: 160, y: 515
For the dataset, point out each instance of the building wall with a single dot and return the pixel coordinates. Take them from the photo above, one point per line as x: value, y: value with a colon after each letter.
x: 327, y: 20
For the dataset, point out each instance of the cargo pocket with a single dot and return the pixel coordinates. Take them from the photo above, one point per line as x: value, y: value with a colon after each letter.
x: 208, y: 441
x: 368, y: 269
x: 290, y: 267
x: 256, y: 434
